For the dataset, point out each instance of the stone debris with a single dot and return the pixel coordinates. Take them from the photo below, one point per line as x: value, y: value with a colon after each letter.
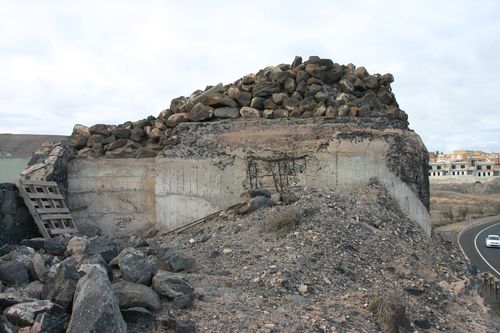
x: 52, y: 291
x: 95, y: 307
x: 24, y: 314
x: 15, y: 218
x: 315, y: 88
x: 47, y: 323
x: 132, y: 295
x: 336, y: 260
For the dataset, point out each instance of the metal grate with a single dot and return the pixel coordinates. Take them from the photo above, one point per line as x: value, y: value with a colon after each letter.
x: 46, y: 204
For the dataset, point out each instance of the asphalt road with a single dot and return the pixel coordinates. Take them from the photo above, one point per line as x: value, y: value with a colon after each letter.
x: 473, y: 242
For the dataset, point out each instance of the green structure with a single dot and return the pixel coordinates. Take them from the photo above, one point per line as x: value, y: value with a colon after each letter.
x: 16, y: 151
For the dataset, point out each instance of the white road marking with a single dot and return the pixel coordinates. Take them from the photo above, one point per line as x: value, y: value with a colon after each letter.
x: 477, y: 249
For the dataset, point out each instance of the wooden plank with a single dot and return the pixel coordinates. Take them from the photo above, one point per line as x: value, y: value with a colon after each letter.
x: 45, y: 196
x: 55, y: 217
x: 32, y: 209
x: 59, y: 210
x: 48, y: 208
x: 59, y: 231
x: 37, y: 182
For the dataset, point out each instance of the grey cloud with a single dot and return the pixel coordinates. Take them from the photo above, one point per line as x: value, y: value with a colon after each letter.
x: 93, y: 61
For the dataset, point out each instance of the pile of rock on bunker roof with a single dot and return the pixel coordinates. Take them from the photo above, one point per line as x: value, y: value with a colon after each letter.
x: 316, y: 88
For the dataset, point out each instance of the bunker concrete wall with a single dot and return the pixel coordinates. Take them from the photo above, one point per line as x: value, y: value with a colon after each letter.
x: 116, y: 195
x: 130, y: 195
x: 189, y: 189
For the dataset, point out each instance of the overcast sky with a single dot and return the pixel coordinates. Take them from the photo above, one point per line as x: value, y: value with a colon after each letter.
x: 88, y: 62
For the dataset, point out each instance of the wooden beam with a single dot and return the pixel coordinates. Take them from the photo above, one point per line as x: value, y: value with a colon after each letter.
x: 55, y: 217
x: 45, y: 196
x: 52, y: 210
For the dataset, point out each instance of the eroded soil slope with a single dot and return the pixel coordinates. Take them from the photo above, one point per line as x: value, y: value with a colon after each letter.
x: 337, y: 260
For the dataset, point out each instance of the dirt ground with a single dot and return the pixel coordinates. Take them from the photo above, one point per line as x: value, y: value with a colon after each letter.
x: 337, y: 260
x: 451, y: 203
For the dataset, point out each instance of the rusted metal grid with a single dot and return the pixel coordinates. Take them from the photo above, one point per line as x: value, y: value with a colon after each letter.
x: 46, y: 204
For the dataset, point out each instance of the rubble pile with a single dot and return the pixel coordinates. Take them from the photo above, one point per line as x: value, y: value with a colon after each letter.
x: 15, y: 219
x: 316, y: 88
x: 336, y: 260
x: 321, y: 259
x: 92, y: 283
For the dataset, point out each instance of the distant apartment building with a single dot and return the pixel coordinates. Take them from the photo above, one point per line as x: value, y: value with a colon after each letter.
x: 464, y: 163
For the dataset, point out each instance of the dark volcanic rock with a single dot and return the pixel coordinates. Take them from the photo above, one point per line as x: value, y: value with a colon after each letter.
x: 14, y: 273
x: 6, y: 248
x: 24, y: 314
x: 105, y: 246
x: 173, y: 287
x: 122, y: 133
x: 131, y: 295
x: 138, y: 319
x: 256, y: 203
x: 6, y: 326
x: 55, y: 246
x: 219, y: 100
x: 265, y: 89
x: 174, y: 260
x: 61, y: 288
x: 95, y: 307
x: 12, y: 298
x: 137, y: 134
x: 134, y: 266
x: 227, y: 113
x: 16, y: 222
x: 178, y: 325
x: 200, y: 112
x: 47, y: 323
x: 99, y: 129
x: 36, y: 243
x: 259, y: 192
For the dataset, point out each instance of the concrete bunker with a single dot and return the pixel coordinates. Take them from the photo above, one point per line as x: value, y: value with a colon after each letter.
x: 307, y: 124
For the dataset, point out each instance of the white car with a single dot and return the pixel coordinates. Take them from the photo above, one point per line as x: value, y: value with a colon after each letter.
x: 493, y: 241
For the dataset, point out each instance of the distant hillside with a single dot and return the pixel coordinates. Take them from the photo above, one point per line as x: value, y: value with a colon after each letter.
x: 23, y: 145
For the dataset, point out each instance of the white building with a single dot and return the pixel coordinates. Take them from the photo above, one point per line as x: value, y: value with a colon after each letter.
x: 470, y: 169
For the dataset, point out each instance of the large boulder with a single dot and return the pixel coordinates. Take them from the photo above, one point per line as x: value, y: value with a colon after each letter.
x: 61, y: 287
x: 173, y: 287
x: 105, y: 246
x: 139, y: 319
x: 219, y: 100
x: 14, y: 273
x: 12, y: 298
x: 135, y: 266
x: 77, y: 246
x: 55, y: 246
x: 24, y: 314
x: 95, y: 306
x: 200, y: 112
x: 249, y: 112
x: 227, y: 113
x: 100, y: 129
x: 23, y: 254
x: 131, y: 295
x: 173, y: 260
